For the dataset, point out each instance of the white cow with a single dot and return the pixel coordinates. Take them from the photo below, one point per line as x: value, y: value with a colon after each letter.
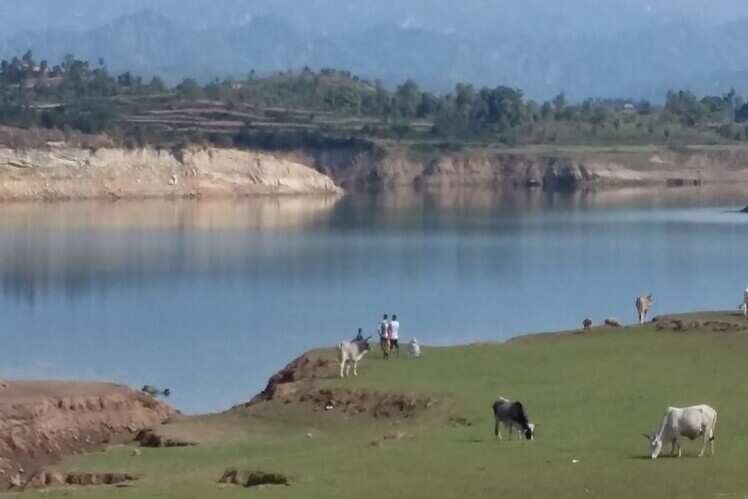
x: 690, y: 422
x: 744, y: 306
x: 351, y: 352
x: 643, y: 306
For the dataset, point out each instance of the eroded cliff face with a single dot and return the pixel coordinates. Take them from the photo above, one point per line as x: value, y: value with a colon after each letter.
x: 75, y: 173
x: 43, y: 421
x: 59, y: 172
x: 561, y: 169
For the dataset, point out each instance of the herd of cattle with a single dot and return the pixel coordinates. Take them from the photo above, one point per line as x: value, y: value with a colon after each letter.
x: 693, y: 422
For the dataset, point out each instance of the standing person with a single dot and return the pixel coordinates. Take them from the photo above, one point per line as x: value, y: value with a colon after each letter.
x: 384, y: 336
x: 395, y: 334
x: 359, y: 335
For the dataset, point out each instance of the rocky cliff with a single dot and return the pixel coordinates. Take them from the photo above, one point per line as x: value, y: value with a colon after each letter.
x: 549, y: 168
x: 60, y: 172
x: 43, y: 421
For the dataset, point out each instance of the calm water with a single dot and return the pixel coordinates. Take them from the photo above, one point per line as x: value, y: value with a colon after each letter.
x: 210, y: 298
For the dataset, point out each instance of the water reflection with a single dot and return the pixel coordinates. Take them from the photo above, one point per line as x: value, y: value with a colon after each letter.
x: 197, y: 295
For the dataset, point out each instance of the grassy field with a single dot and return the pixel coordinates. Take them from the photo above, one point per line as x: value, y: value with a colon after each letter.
x: 593, y: 395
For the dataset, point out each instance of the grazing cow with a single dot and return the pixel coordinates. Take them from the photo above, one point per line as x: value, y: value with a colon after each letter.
x: 643, y: 306
x: 587, y: 324
x: 414, y: 349
x: 511, y: 413
x: 155, y: 392
x: 690, y: 422
x: 350, y: 353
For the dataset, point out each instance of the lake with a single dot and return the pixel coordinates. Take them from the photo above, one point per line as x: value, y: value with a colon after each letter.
x: 209, y: 298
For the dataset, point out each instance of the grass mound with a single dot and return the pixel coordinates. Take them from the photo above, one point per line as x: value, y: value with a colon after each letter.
x: 593, y: 393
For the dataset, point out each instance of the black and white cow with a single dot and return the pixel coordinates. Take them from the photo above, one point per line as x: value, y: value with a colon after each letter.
x: 511, y: 413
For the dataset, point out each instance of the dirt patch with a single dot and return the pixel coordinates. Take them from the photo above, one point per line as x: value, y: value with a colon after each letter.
x: 459, y: 421
x: 287, y: 382
x: 152, y: 438
x: 46, y: 479
x: 253, y: 478
x: 683, y: 325
x: 390, y: 437
x: 42, y: 421
x: 298, y: 383
x: 364, y: 402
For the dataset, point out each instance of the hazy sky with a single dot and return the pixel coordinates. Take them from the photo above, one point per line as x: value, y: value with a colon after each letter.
x: 586, y: 48
x: 343, y: 15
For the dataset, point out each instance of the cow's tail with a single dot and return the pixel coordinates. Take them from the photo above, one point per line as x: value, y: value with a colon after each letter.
x: 714, y: 428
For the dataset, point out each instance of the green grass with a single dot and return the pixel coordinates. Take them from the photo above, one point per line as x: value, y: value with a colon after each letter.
x: 592, y: 393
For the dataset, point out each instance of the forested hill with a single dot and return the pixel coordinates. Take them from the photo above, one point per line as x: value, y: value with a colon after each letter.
x: 331, y: 108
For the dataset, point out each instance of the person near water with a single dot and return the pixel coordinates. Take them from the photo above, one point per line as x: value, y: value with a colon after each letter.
x: 395, y: 334
x: 384, y: 336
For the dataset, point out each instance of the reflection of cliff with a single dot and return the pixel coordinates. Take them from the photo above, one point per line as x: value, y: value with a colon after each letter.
x: 83, y: 246
x: 211, y: 214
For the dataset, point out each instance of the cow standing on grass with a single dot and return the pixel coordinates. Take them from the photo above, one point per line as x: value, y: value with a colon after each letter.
x: 511, y: 413
x: 351, y: 352
x: 744, y: 306
x: 690, y: 422
x: 643, y: 306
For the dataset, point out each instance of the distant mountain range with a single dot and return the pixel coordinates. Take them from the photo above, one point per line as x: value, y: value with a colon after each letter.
x: 641, y: 62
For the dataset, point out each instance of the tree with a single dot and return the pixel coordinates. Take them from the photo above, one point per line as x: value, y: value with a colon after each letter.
x: 546, y: 111
x: 559, y: 103
x: 407, y: 99
x: 189, y: 89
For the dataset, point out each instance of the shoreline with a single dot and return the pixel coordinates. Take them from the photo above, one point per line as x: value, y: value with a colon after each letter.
x: 66, y: 173
x: 43, y: 422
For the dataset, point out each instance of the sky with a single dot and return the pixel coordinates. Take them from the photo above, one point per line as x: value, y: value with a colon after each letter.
x: 342, y: 15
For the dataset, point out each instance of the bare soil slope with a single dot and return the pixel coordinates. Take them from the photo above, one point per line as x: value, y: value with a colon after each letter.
x: 41, y: 421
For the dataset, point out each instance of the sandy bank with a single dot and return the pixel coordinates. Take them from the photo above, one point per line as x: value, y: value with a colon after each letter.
x: 41, y: 421
x: 59, y: 172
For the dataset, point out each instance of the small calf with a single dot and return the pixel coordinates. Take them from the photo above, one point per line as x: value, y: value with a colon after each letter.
x: 351, y: 352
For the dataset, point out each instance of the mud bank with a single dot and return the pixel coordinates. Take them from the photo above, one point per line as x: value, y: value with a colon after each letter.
x: 41, y: 422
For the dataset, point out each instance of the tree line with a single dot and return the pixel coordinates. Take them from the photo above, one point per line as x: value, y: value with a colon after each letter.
x: 85, y: 96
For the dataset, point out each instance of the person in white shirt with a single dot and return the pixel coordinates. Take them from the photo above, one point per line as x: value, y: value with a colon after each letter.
x: 395, y: 334
x: 384, y: 336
